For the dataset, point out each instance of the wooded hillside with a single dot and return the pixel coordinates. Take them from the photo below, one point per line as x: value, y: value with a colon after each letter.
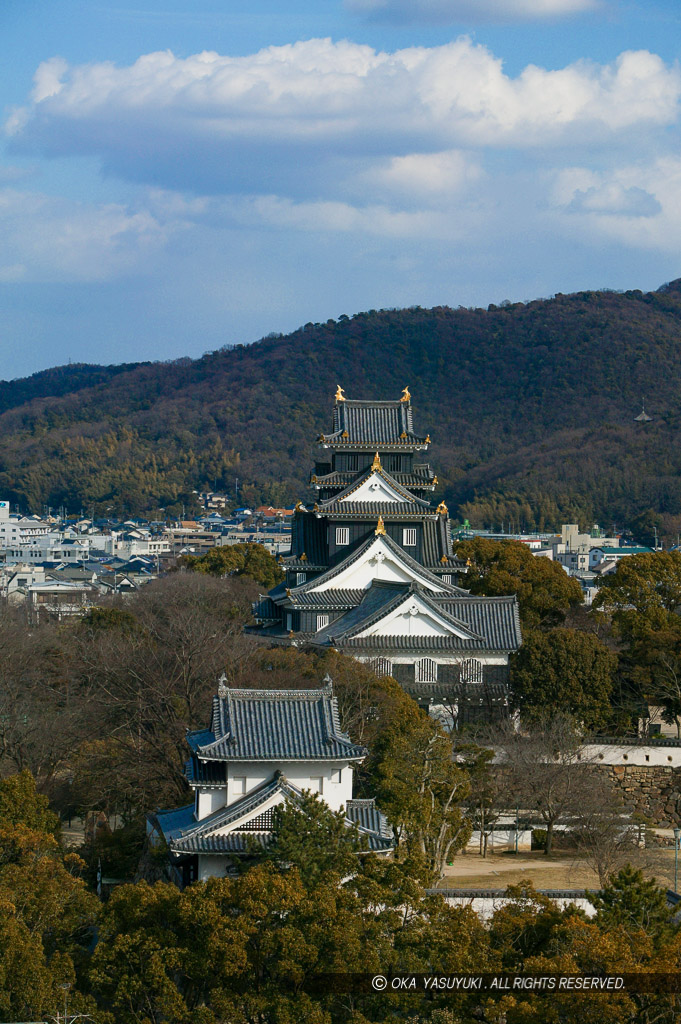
x: 530, y: 406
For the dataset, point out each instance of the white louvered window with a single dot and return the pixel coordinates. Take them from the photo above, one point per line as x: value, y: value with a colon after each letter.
x: 289, y: 621
x: 471, y: 671
x: 342, y: 535
x: 447, y: 578
x: 426, y: 671
x: 322, y: 622
x: 300, y: 578
x: 409, y: 537
x: 382, y: 667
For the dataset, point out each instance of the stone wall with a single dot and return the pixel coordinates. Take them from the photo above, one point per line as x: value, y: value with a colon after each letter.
x: 653, y: 791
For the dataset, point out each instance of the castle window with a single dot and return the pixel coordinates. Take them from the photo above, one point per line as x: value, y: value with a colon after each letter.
x: 239, y: 785
x: 317, y: 785
x: 471, y: 671
x: 382, y: 667
x: 409, y: 537
x: 336, y: 774
x: 447, y: 578
x: 342, y: 535
x: 300, y: 578
x: 426, y: 671
x: 322, y: 622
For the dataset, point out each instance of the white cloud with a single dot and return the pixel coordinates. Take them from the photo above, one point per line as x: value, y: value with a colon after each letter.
x: 294, y: 119
x: 47, y: 239
x: 450, y: 11
x: 638, y: 205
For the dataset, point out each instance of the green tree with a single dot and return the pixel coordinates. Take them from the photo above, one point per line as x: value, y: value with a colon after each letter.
x: 315, y: 840
x: 634, y: 903
x: 544, y: 590
x: 563, y: 669
x: 251, y: 560
x: 421, y: 788
x: 643, y: 596
x: 22, y: 804
x: 643, y: 592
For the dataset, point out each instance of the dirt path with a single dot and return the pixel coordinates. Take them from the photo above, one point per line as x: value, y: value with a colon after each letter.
x: 559, y: 871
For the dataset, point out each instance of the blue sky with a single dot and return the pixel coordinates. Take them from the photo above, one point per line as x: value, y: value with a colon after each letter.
x: 177, y: 177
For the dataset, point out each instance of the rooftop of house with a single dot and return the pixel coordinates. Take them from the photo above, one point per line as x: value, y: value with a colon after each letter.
x: 358, y: 423
x: 275, y: 725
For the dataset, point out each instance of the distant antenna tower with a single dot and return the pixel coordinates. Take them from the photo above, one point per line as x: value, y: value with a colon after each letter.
x: 643, y: 416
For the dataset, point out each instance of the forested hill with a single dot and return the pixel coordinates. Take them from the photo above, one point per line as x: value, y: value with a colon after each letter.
x: 530, y: 406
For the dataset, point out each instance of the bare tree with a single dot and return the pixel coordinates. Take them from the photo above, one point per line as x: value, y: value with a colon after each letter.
x: 604, y: 836
x: 546, y: 770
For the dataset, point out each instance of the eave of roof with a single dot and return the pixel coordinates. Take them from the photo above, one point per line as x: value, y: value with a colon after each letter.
x: 400, y: 553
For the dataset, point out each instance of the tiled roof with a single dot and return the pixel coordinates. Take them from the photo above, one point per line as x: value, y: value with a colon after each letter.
x: 373, y: 423
x: 202, y: 837
x: 233, y: 842
x: 328, y: 599
x: 415, y: 643
x: 172, y: 823
x: 374, y: 509
x: 198, y: 738
x: 226, y: 816
x: 342, y: 478
x: 392, y: 483
x: 402, y: 555
x: 278, y: 725
x: 380, y: 599
x: 495, y: 618
x: 366, y: 815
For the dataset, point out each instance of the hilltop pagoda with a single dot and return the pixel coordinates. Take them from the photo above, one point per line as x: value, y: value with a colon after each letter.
x: 372, y: 572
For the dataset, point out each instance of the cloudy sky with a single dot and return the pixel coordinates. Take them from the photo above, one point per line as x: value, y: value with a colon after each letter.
x: 178, y: 175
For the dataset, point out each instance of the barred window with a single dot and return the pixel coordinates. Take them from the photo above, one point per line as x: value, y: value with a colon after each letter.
x: 322, y: 622
x: 426, y: 671
x: 382, y: 667
x: 447, y: 578
x: 300, y: 578
x: 471, y: 671
x: 409, y: 537
x: 342, y: 535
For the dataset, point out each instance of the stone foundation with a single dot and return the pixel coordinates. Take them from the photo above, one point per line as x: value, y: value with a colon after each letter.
x: 652, y: 791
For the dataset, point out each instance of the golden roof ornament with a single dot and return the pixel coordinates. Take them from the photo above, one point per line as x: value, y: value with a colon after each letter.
x: 442, y: 509
x: 376, y: 464
x: 340, y: 397
x: 299, y: 504
x: 427, y: 440
x: 469, y: 563
x: 303, y: 557
x: 444, y: 560
x: 405, y: 394
x: 380, y: 527
x: 435, y: 480
x: 291, y: 634
x: 345, y: 434
x: 403, y: 435
x: 316, y: 507
x: 288, y: 591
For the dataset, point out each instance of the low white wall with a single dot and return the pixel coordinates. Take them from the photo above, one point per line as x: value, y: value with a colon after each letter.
x: 632, y: 753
